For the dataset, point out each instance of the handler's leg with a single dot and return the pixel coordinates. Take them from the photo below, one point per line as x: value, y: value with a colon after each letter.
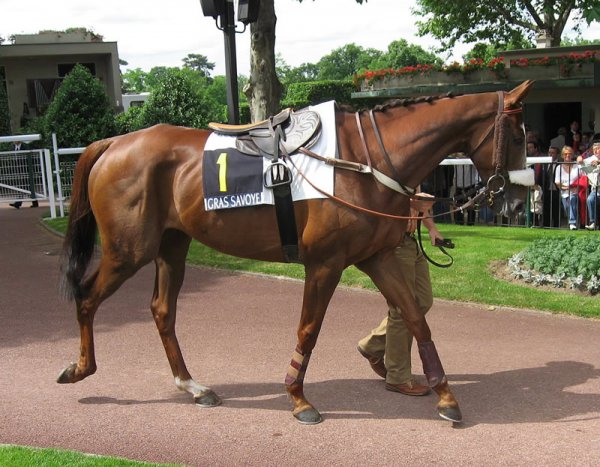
x: 372, y: 347
x: 383, y: 269
x: 399, y: 341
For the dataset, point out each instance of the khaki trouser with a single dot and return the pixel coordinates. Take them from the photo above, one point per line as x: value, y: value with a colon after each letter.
x: 392, y: 337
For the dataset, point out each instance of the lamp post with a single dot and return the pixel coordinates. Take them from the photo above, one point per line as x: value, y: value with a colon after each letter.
x: 222, y: 12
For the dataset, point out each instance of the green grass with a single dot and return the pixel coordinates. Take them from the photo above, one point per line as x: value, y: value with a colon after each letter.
x: 468, y: 280
x: 19, y: 456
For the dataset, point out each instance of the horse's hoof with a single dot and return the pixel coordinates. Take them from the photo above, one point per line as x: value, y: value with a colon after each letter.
x: 309, y: 416
x: 208, y: 399
x: 452, y: 414
x: 67, y: 375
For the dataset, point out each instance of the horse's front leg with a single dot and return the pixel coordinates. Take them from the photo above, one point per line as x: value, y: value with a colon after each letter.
x: 385, y: 271
x: 319, y: 284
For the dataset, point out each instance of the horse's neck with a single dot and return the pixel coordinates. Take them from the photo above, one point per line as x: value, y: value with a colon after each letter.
x: 419, y: 139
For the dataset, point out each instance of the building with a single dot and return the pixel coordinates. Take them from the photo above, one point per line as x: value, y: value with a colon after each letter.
x: 35, y: 64
x: 134, y: 100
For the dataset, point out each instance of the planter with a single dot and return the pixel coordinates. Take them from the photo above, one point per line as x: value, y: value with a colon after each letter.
x: 484, y: 76
x: 425, y: 79
x: 542, y: 72
x: 577, y: 70
x: 441, y: 77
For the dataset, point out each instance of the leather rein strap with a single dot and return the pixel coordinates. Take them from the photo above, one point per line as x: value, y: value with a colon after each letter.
x: 391, y: 183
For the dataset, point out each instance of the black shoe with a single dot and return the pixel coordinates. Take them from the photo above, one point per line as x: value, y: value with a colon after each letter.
x: 15, y: 205
x: 34, y: 204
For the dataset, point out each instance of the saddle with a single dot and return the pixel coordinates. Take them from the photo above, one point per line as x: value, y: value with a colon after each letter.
x: 280, y: 135
x: 283, y: 133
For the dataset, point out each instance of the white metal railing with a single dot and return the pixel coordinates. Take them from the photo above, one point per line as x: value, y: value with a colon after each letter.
x: 28, y: 172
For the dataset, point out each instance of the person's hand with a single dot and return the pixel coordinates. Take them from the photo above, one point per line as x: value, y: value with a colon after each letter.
x: 422, y: 205
x: 434, y: 234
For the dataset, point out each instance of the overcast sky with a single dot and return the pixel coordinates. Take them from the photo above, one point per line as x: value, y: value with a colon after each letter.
x: 161, y: 33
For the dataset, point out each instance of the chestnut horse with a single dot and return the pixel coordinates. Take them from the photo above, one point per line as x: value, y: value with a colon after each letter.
x: 142, y: 192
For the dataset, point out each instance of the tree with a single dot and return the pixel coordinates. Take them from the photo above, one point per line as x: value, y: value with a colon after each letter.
x: 199, y: 63
x: 263, y: 88
x: 80, y: 113
x: 344, y: 62
x: 505, y: 21
x: 300, y: 74
x: 487, y: 52
x: 4, y: 112
x: 135, y: 81
x: 400, y: 54
x: 179, y: 99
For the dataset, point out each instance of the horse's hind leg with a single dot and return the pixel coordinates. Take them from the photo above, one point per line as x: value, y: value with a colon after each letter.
x: 109, y: 276
x: 170, y: 271
x: 387, y: 275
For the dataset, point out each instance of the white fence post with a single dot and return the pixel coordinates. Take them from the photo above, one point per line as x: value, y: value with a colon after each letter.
x: 51, y: 199
x: 57, y: 171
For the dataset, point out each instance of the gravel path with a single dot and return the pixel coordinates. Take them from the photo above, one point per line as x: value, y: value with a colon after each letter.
x: 528, y: 383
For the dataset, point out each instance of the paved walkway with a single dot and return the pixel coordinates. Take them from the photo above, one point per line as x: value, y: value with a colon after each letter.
x: 528, y: 383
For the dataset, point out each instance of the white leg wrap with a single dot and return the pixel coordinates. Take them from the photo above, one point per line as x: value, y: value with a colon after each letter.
x: 190, y: 386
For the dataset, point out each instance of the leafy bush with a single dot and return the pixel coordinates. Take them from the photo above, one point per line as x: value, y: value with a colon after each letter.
x: 80, y: 113
x: 301, y: 95
x: 129, y: 121
x: 564, y: 261
x: 4, y: 112
x: 179, y: 99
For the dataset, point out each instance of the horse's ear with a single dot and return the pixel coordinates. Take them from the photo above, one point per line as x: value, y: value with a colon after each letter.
x: 516, y: 96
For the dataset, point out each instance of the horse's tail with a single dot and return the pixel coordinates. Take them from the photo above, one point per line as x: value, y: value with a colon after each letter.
x: 80, y: 238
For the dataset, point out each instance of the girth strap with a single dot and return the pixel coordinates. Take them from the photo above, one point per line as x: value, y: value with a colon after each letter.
x: 278, y: 177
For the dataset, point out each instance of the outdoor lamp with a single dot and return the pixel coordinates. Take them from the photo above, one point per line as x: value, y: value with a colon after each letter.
x: 223, y: 13
x: 248, y: 11
x: 213, y: 8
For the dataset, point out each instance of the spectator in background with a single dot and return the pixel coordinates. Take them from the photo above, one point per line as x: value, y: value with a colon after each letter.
x: 578, y: 144
x: 30, y: 182
x: 533, y: 136
x: 591, y: 168
x: 559, y: 140
x: 573, y: 129
x: 536, y: 204
x: 550, y: 192
x: 586, y: 142
x: 566, y: 176
x: 465, y: 179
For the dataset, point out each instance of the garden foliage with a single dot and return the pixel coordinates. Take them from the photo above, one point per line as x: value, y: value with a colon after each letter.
x: 565, y: 261
x: 80, y: 113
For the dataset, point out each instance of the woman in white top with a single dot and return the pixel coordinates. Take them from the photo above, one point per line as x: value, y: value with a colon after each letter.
x: 565, y: 178
x: 591, y: 167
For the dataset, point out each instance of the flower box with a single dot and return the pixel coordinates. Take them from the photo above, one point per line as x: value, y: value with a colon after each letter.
x: 535, y: 72
x: 577, y: 70
x: 484, y: 76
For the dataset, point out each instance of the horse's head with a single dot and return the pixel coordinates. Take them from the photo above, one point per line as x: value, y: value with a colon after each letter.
x: 505, y: 174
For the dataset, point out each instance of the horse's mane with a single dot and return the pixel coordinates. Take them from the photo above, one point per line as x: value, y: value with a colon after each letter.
x: 392, y: 103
